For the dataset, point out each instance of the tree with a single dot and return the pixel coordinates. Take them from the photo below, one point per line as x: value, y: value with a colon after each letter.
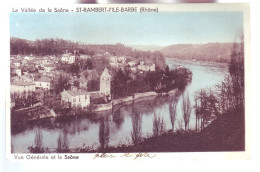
x: 236, y: 71
x: 158, y: 125
x: 186, y: 110
x: 104, y: 130
x: 173, y: 112
x: 136, y: 133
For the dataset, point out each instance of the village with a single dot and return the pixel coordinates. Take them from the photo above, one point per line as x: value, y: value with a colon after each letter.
x: 43, y: 80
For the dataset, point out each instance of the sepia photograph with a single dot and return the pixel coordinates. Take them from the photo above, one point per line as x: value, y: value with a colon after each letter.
x: 89, y: 82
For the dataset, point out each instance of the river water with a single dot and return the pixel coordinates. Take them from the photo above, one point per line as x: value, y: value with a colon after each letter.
x: 121, y: 125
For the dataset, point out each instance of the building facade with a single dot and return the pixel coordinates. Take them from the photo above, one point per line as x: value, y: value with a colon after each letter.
x: 105, y: 82
x: 75, y: 98
x: 21, y: 88
x: 44, y: 83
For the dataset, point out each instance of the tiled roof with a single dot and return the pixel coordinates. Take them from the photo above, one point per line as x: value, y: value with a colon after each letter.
x: 44, y: 79
x: 49, y: 65
x: 16, y: 61
x: 77, y: 92
x: 21, y: 83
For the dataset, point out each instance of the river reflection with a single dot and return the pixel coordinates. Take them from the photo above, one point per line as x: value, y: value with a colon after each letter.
x: 125, y: 124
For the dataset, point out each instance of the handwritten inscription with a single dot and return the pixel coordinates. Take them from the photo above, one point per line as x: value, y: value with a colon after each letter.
x: 103, y: 155
x: 134, y: 156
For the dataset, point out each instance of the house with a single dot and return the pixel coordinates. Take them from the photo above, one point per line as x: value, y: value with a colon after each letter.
x: 83, y: 56
x: 45, y: 61
x: 49, y: 67
x: 117, y: 61
x: 18, y: 71
x: 19, y: 87
x: 132, y: 65
x: 24, y: 62
x: 83, y: 82
x: 44, y: 83
x: 113, y: 61
x: 29, y: 57
x: 121, y: 59
x: 75, y: 98
x: 146, y: 68
x: 68, y: 58
x: 27, y: 78
x: 17, y: 63
x: 105, y: 82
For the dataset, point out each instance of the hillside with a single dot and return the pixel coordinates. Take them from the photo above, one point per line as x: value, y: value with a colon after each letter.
x: 147, y: 47
x: 217, y: 52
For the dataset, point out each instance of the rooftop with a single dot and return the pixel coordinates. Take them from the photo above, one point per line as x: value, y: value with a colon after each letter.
x: 44, y: 79
x: 105, y: 74
x: 21, y: 83
x: 77, y: 92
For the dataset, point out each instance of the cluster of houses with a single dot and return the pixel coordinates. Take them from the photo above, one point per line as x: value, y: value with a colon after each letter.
x: 31, y: 75
x: 135, y: 66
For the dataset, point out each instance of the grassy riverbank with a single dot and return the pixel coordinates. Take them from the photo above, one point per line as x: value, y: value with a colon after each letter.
x: 226, y: 133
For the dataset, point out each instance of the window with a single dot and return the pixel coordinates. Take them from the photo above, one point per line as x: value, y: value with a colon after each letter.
x: 74, y: 99
x: 79, y: 99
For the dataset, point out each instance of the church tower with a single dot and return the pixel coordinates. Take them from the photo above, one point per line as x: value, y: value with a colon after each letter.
x: 105, y: 82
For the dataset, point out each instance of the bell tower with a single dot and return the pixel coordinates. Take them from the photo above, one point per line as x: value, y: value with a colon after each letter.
x: 105, y: 82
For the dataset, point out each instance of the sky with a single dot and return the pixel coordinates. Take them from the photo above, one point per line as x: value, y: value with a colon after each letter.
x: 129, y: 28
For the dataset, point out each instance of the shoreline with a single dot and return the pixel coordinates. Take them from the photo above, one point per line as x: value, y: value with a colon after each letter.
x: 200, y: 62
x: 101, y: 108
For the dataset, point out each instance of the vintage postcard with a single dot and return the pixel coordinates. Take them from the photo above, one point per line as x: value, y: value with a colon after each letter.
x: 129, y: 81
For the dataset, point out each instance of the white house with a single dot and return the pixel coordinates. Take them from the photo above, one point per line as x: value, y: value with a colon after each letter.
x: 18, y: 71
x: 17, y: 63
x: 49, y: 67
x: 76, y: 98
x: 21, y: 87
x: 29, y: 57
x: 113, y: 61
x: 68, y: 58
x: 83, y: 56
x: 117, y: 61
x: 144, y: 67
x: 44, y: 83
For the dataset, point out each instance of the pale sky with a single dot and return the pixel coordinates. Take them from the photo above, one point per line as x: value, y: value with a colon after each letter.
x: 129, y: 28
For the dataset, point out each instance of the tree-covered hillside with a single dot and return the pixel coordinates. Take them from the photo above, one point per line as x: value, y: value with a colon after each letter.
x: 217, y: 52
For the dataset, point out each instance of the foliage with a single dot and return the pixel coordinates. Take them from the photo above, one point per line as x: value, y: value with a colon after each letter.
x: 62, y: 84
x: 104, y: 132
x: 126, y: 83
x: 173, y: 112
x: 216, y: 52
x: 158, y: 125
x: 228, y: 95
x: 186, y: 110
x: 136, y: 133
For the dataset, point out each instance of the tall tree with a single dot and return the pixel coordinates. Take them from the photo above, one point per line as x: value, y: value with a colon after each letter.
x: 186, y: 110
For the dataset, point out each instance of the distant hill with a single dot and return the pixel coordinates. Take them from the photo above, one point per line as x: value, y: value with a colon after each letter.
x: 217, y: 52
x: 146, y: 47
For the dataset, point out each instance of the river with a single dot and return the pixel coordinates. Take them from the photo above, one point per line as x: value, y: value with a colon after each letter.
x: 121, y: 126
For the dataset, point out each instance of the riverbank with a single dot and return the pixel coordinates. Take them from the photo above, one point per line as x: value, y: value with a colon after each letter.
x: 226, y: 133
x: 202, y: 63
